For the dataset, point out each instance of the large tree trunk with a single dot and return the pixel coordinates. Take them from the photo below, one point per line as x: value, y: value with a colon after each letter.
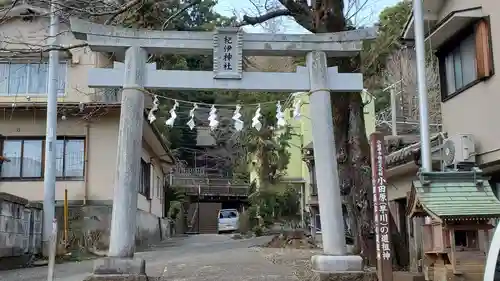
x: 353, y: 156
x: 353, y: 151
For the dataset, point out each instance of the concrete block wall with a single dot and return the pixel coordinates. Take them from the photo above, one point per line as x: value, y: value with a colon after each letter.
x: 89, y: 227
x: 20, y: 231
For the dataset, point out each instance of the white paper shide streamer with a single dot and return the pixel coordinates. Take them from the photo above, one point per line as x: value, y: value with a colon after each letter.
x: 296, y: 108
x: 212, y: 118
x: 191, y: 123
x: 151, y: 114
x: 280, y: 116
x: 256, y: 119
x: 173, y: 115
x: 238, y: 123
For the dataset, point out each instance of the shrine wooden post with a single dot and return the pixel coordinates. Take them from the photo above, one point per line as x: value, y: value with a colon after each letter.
x: 381, y: 210
x: 228, y: 46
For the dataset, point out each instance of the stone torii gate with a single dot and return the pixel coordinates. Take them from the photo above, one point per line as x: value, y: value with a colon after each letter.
x: 228, y: 46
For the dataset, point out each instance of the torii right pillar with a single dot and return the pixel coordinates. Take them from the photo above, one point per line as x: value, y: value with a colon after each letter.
x: 334, y: 259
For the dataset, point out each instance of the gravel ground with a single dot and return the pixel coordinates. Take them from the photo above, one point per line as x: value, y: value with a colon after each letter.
x: 299, y: 261
x: 201, y: 257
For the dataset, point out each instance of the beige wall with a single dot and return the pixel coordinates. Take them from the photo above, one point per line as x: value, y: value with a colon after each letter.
x: 18, y: 34
x: 398, y: 187
x: 102, y: 138
x: 476, y: 110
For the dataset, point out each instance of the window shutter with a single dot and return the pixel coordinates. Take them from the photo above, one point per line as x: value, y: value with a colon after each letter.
x: 483, y: 50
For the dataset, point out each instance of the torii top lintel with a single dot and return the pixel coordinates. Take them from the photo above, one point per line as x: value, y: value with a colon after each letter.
x: 104, y: 38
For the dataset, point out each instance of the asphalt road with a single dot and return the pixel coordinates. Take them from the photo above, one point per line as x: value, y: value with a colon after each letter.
x: 186, y: 258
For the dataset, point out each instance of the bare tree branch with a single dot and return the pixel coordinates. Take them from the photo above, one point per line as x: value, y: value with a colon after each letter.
x: 359, y: 7
x: 247, y: 20
x: 301, y: 12
x: 7, y: 10
x: 178, y: 13
x: 401, y: 73
x: 30, y: 48
x: 118, y: 11
x: 122, y: 10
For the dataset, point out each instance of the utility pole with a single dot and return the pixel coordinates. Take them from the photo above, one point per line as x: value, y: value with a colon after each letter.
x: 425, y: 145
x: 49, y: 177
x: 394, y: 111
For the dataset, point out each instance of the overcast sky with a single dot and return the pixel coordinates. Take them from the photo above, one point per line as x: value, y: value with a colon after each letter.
x: 367, y: 16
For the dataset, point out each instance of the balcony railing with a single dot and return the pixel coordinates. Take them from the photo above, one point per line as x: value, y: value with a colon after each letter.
x: 215, y: 190
x: 207, y: 186
x: 190, y: 171
x: 201, y: 172
x: 107, y: 95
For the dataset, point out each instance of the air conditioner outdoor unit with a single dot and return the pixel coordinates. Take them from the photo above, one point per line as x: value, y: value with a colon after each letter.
x: 459, y: 150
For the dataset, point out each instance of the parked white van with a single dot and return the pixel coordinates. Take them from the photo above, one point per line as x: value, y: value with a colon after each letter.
x: 228, y: 220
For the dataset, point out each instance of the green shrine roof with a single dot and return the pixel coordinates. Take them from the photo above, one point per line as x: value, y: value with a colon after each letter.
x: 454, y: 195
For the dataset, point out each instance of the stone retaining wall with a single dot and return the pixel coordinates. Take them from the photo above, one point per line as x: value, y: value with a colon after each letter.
x: 20, y: 231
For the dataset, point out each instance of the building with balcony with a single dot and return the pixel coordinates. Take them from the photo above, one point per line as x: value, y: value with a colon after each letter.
x: 204, y: 175
x: 87, y: 131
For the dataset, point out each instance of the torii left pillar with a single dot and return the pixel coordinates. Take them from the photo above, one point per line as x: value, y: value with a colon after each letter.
x: 120, y: 260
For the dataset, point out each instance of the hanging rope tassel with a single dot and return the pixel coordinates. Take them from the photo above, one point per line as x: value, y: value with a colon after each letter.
x: 238, y: 123
x: 191, y: 123
x: 256, y: 119
x: 151, y: 114
x: 212, y: 117
x: 173, y: 115
x: 296, y: 109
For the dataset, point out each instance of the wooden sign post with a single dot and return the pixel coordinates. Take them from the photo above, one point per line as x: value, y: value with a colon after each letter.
x: 381, y: 208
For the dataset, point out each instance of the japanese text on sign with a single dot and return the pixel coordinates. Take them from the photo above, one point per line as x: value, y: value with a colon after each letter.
x: 382, y: 214
x: 228, y: 53
x: 381, y: 209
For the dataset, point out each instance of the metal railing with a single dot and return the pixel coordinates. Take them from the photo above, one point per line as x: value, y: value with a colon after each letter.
x: 190, y: 171
x: 199, y: 171
x: 206, y: 186
x: 108, y: 95
x: 215, y: 190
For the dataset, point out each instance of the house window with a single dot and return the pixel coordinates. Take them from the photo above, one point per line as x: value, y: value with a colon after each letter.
x: 460, y: 66
x: 465, y: 59
x: 28, y: 78
x: 27, y: 158
x: 145, y: 179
